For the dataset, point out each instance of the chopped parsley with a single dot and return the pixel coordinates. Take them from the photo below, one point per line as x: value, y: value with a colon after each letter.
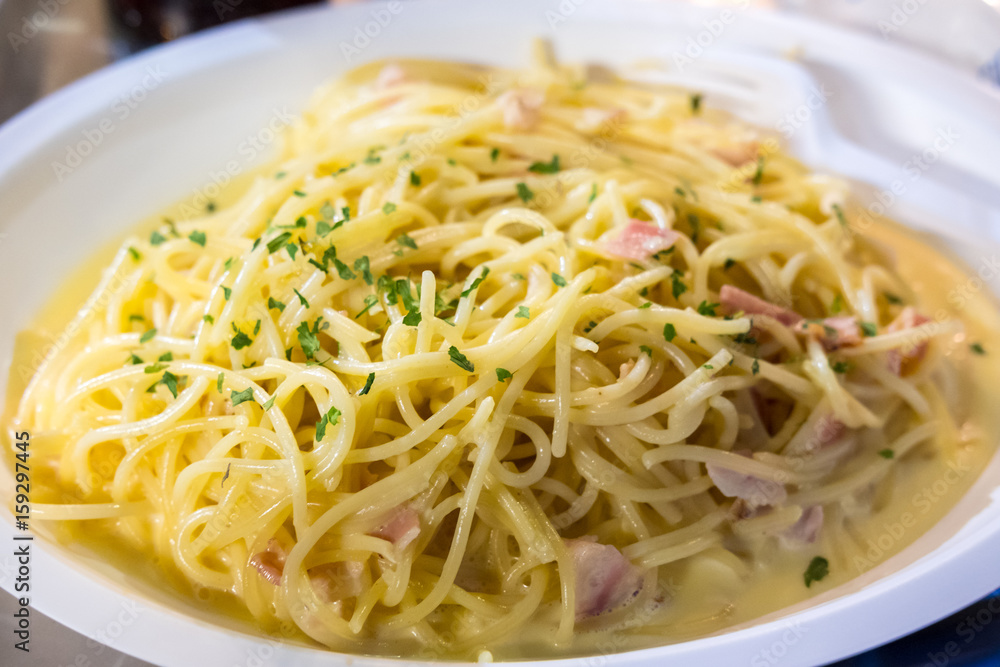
x: 343, y: 271
x: 758, y: 175
x: 476, y: 283
x: 363, y: 265
x: 169, y: 380
x: 245, y: 396
x: 645, y: 349
x: 368, y: 384
x: 197, y: 237
x: 818, y: 568
x: 370, y: 301
x: 494, y: 154
x: 696, y: 103
x: 755, y: 368
x: 840, y: 215
x: 503, y: 375
x: 414, y: 178
x: 522, y: 311
x: 156, y: 238
x: 135, y: 360
x: 887, y: 454
x: 869, y: 329
x: 406, y: 241
x: 730, y: 263
x: 840, y: 366
x: 518, y: 276
x: 135, y: 317
x: 274, y: 303
x: 309, y: 338
x: 593, y: 193
x: 977, y: 348
x: 292, y: 249
x: 460, y: 359
x: 269, y: 404
x: 227, y: 292
x: 677, y: 285
x: 219, y: 380
x: 302, y: 299
x: 412, y: 318
x: 892, y: 298
x: 147, y: 336
x: 388, y: 207
x: 278, y: 242
x: 208, y: 318
x: 240, y: 340
x: 371, y: 158
x: 707, y: 309
x: 837, y: 305
x: 669, y: 331
x: 648, y: 304
x: 551, y: 167
x: 524, y: 192
x: 136, y: 255
x: 329, y: 419
x: 298, y: 193
x: 558, y: 280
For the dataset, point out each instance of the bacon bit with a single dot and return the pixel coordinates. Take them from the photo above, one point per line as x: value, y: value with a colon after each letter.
x: 336, y: 581
x: 637, y: 240
x: 828, y: 429
x: 904, y: 361
x: 270, y: 562
x: 833, y: 332
x: 735, y: 300
x: 521, y: 108
x: 595, y: 118
x: 736, y: 154
x: 390, y: 76
x: 401, y: 527
x: 754, y: 491
x: 806, y: 530
x: 605, y: 579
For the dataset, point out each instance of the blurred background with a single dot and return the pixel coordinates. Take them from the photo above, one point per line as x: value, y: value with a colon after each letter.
x: 51, y: 43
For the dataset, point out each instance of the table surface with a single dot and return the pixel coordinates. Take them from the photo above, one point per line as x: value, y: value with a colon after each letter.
x: 79, y: 38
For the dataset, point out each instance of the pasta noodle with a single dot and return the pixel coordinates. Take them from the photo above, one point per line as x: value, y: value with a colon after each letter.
x: 500, y: 360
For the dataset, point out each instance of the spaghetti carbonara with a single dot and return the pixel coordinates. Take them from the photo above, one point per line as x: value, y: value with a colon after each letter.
x: 500, y: 363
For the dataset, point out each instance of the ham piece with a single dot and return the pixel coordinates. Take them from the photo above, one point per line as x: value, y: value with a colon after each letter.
x: 401, y: 527
x: 902, y: 361
x: 753, y: 491
x: 605, y: 579
x: 270, y: 562
x: 806, y: 530
x: 637, y: 240
x: 521, y: 108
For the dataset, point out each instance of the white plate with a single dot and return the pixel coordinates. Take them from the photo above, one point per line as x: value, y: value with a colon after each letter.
x: 152, y: 129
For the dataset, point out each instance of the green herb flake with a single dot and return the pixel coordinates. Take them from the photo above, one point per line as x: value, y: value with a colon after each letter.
x: 331, y: 418
x: 136, y: 255
x: 558, y: 280
x: 245, y: 396
x: 368, y: 385
x: 593, y: 194
x: 647, y: 350
x: 274, y: 303
x: 343, y: 271
x: 707, y: 309
x: 550, y: 167
x: 818, y: 568
x: 758, y: 175
x: 460, y: 359
x: 298, y: 193
x: 156, y: 238
x: 696, y: 103
x: 838, y: 305
x: 278, y: 242
x: 309, y: 338
x: 240, y: 340
x: 197, y: 237
x: 677, y: 285
x: 524, y: 192
x: 977, y: 348
x: 302, y: 299
x: 218, y: 382
x: 730, y: 263
x: 887, y: 454
x: 227, y: 292
x: 412, y: 318
x: 292, y: 250
x: 388, y: 207
x: 147, y: 336
x: 406, y: 241
x: 414, y: 179
x: 494, y: 154
x: 669, y: 332
x: 503, y: 375
x: 135, y: 360
x: 841, y: 218
x: 476, y: 283
x: 869, y: 329
x: 893, y: 299
x: 522, y: 311
x: 370, y: 301
x: 841, y: 366
x: 755, y: 368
